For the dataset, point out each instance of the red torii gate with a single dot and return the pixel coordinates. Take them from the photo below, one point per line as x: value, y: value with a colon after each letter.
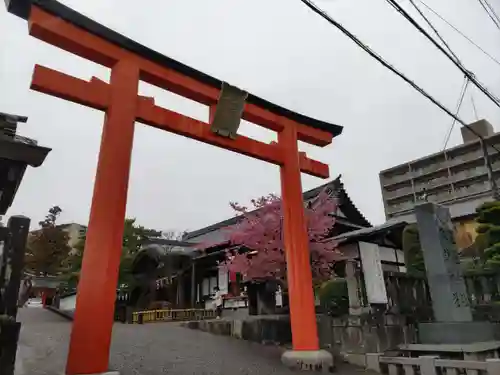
x: 130, y: 62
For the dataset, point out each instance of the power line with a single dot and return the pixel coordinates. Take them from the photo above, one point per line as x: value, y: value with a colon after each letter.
x: 494, y: 17
x: 460, y: 32
x: 387, y: 65
x: 492, y: 10
x: 457, y: 63
x: 457, y: 59
x: 435, y: 31
x: 473, y: 105
x: 459, y: 105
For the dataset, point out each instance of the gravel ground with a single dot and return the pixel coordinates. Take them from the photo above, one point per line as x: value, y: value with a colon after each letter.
x: 150, y: 349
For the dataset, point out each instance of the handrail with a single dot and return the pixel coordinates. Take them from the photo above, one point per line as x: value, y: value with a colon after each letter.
x: 432, y: 365
x: 172, y: 315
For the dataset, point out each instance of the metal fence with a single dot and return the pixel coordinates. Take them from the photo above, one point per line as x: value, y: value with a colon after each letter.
x: 409, y: 294
x: 430, y: 365
x: 168, y: 315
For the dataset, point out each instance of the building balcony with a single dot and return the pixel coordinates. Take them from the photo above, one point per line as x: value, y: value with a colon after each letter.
x: 465, y: 158
x: 387, y: 181
x: 404, y: 206
x: 469, y: 173
x: 431, y: 168
x: 477, y: 188
x: 436, y: 182
x: 399, y: 193
x: 444, y: 196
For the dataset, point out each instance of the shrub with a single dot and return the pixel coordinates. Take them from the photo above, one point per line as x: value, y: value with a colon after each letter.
x: 334, y: 297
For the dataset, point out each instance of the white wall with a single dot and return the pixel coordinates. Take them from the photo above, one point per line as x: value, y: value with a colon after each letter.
x: 350, y: 251
x: 387, y: 255
x: 207, y: 285
x: 392, y: 255
x: 68, y: 303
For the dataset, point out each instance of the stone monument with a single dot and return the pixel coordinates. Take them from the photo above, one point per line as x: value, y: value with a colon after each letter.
x: 450, y: 302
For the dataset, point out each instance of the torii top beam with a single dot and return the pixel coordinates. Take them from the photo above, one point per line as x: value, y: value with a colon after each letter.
x: 65, y: 28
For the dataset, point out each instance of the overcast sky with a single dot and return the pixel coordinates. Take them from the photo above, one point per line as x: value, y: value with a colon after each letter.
x: 276, y: 49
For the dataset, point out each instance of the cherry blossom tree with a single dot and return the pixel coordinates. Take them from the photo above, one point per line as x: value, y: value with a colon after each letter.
x: 259, y: 231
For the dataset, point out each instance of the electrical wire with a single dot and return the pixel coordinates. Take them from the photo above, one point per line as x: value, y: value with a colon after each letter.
x: 459, y: 32
x: 459, y: 105
x: 486, y: 9
x: 387, y: 65
x: 457, y: 63
x: 435, y: 31
x: 466, y: 79
x: 474, y: 106
x: 492, y: 10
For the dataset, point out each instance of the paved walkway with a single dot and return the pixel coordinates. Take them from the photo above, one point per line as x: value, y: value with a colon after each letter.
x: 150, y: 349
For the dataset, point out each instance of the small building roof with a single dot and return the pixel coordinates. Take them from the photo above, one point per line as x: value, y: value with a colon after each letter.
x: 347, y: 208
x: 392, y: 230
x: 12, y: 118
x: 346, y: 211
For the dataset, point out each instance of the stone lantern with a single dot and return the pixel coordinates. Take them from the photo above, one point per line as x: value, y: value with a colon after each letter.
x: 16, y: 153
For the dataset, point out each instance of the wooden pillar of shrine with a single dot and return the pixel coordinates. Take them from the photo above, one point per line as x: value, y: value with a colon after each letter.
x: 94, y: 315
x: 193, y: 284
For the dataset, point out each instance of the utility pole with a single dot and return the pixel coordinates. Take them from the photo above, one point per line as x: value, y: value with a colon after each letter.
x: 491, y: 177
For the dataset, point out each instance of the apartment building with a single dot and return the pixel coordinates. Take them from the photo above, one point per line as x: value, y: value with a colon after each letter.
x: 456, y: 177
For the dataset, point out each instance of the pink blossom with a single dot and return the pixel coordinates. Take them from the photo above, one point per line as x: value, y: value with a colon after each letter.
x: 260, y: 231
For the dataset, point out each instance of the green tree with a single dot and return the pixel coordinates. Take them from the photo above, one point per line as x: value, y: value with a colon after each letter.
x: 73, y: 263
x: 134, y: 237
x: 48, y: 246
x: 488, y: 239
x: 412, y: 249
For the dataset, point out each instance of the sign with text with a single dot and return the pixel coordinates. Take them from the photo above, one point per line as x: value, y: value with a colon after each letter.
x: 450, y: 301
x: 373, y: 273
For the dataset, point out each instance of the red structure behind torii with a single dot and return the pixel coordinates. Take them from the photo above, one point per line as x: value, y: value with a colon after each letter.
x: 131, y: 62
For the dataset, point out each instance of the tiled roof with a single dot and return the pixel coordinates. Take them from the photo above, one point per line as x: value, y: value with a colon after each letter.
x: 214, y: 234
x: 367, y: 233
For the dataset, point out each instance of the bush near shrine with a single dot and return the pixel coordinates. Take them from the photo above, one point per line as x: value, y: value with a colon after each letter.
x: 488, y: 239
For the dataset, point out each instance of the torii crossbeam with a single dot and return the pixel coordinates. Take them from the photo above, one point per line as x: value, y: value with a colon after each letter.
x: 130, y: 62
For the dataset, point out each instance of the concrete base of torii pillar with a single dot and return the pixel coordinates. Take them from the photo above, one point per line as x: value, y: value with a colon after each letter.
x: 308, y: 360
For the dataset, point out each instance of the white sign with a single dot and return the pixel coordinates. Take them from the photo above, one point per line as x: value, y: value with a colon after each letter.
x: 223, y: 281
x: 373, y: 274
x: 279, y: 297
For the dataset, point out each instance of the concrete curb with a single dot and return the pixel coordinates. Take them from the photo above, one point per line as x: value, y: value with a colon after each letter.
x: 65, y: 314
